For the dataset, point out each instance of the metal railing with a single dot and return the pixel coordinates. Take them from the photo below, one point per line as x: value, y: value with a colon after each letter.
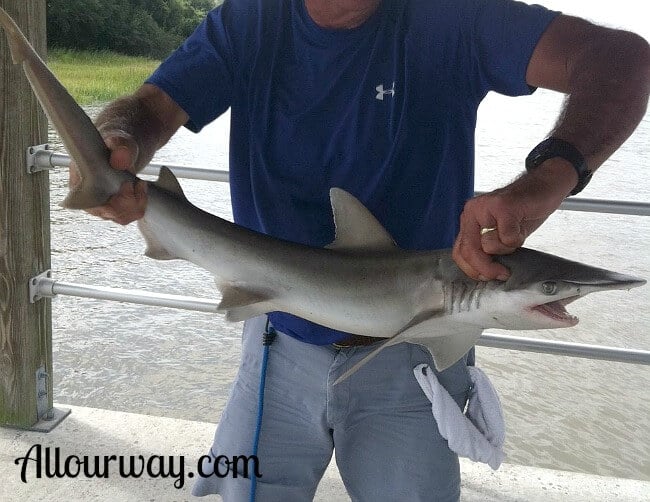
x: 44, y: 286
x: 46, y: 159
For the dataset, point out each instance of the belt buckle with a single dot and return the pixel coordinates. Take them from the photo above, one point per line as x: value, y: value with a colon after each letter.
x: 347, y: 343
x: 353, y: 341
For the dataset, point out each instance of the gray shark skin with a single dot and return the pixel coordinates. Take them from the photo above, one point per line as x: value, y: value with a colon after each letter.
x: 362, y: 283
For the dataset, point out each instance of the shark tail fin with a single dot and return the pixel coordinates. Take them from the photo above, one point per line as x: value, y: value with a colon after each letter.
x: 85, y: 196
x: 95, y: 187
x: 17, y: 41
x: 82, y: 141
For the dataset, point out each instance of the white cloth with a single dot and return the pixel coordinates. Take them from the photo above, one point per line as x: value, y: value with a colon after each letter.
x: 480, y: 433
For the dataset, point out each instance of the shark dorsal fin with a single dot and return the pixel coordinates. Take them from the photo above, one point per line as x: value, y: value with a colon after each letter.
x: 356, y: 227
x: 168, y: 182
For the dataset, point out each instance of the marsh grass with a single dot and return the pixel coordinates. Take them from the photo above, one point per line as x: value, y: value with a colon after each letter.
x: 98, y: 77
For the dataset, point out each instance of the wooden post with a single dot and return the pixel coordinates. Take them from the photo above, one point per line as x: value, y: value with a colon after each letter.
x: 25, y: 328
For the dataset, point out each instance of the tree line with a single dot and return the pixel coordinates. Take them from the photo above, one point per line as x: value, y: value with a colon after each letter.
x: 135, y: 27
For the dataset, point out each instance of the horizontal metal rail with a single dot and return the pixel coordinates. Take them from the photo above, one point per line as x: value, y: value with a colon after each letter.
x: 46, y: 287
x: 47, y: 159
x: 194, y: 173
x: 49, y: 288
x: 565, y: 348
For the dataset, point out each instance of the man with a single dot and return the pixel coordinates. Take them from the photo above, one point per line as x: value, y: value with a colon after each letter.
x: 379, y: 98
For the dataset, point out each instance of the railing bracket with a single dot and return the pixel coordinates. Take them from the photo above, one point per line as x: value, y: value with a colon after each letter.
x: 41, y: 287
x: 41, y: 393
x: 48, y: 418
x: 33, y: 159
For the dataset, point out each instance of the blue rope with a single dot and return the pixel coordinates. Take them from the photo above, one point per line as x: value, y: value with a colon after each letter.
x: 267, y: 340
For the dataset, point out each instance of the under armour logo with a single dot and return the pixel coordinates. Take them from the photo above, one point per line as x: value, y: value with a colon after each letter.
x: 381, y: 92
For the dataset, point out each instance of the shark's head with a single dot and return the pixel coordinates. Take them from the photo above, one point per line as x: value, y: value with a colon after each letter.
x: 542, y: 285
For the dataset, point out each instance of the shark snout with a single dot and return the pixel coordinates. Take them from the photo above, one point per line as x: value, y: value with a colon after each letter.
x: 611, y: 282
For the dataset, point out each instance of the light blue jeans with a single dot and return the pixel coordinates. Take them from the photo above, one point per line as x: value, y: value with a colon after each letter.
x: 378, y: 422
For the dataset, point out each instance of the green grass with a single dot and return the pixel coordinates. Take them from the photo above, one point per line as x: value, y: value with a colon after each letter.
x: 98, y: 77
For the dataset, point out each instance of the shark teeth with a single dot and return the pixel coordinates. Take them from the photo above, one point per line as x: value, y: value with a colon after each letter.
x: 555, y: 310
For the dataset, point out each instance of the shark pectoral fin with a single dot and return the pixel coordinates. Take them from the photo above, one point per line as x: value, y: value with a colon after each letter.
x: 447, y: 341
x: 240, y: 304
x: 401, y: 336
x: 366, y: 359
x: 154, y: 248
x: 446, y: 350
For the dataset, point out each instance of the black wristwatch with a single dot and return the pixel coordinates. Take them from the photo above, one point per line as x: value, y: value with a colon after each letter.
x: 554, y: 147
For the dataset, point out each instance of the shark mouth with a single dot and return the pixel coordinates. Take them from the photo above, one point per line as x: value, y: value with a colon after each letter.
x: 556, y: 311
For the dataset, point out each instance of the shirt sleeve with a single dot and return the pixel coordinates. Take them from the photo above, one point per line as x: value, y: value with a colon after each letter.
x: 198, y: 76
x: 505, y: 35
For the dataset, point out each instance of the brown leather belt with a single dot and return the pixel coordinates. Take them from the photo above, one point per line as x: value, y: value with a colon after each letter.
x: 357, y: 341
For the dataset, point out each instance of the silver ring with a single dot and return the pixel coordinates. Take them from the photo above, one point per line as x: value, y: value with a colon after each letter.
x: 487, y: 230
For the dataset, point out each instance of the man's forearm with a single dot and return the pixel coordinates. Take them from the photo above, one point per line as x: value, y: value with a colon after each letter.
x: 608, y: 87
x: 148, y: 116
x: 606, y: 76
x: 127, y: 117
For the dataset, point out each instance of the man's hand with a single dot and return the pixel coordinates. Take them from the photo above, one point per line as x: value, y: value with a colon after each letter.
x: 130, y: 202
x: 134, y: 127
x: 514, y: 212
x: 606, y: 76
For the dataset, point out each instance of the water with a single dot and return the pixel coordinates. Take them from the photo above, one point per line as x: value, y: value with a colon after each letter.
x: 564, y: 413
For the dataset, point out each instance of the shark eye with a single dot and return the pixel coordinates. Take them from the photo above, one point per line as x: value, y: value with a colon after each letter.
x: 549, y: 288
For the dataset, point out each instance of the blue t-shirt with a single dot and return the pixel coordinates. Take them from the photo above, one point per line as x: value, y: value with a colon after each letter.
x: 386, y: 111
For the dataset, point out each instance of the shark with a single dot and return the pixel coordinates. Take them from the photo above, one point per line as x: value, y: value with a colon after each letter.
x: 362, y: 283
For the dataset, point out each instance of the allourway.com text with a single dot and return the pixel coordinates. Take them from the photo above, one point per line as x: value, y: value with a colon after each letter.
x: 49, y: 463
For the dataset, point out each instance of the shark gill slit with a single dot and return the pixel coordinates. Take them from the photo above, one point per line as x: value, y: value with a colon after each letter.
x: 462, y: 297
x: 477, y: 292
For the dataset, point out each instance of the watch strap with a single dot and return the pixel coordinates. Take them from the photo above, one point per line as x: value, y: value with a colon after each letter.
x: 555, y: 147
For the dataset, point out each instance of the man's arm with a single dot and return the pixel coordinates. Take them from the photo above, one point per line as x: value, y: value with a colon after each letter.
x: 134, y: 128
x: 606, y: 76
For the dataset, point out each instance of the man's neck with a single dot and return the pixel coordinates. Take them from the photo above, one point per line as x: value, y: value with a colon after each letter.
x: 341, y: 14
